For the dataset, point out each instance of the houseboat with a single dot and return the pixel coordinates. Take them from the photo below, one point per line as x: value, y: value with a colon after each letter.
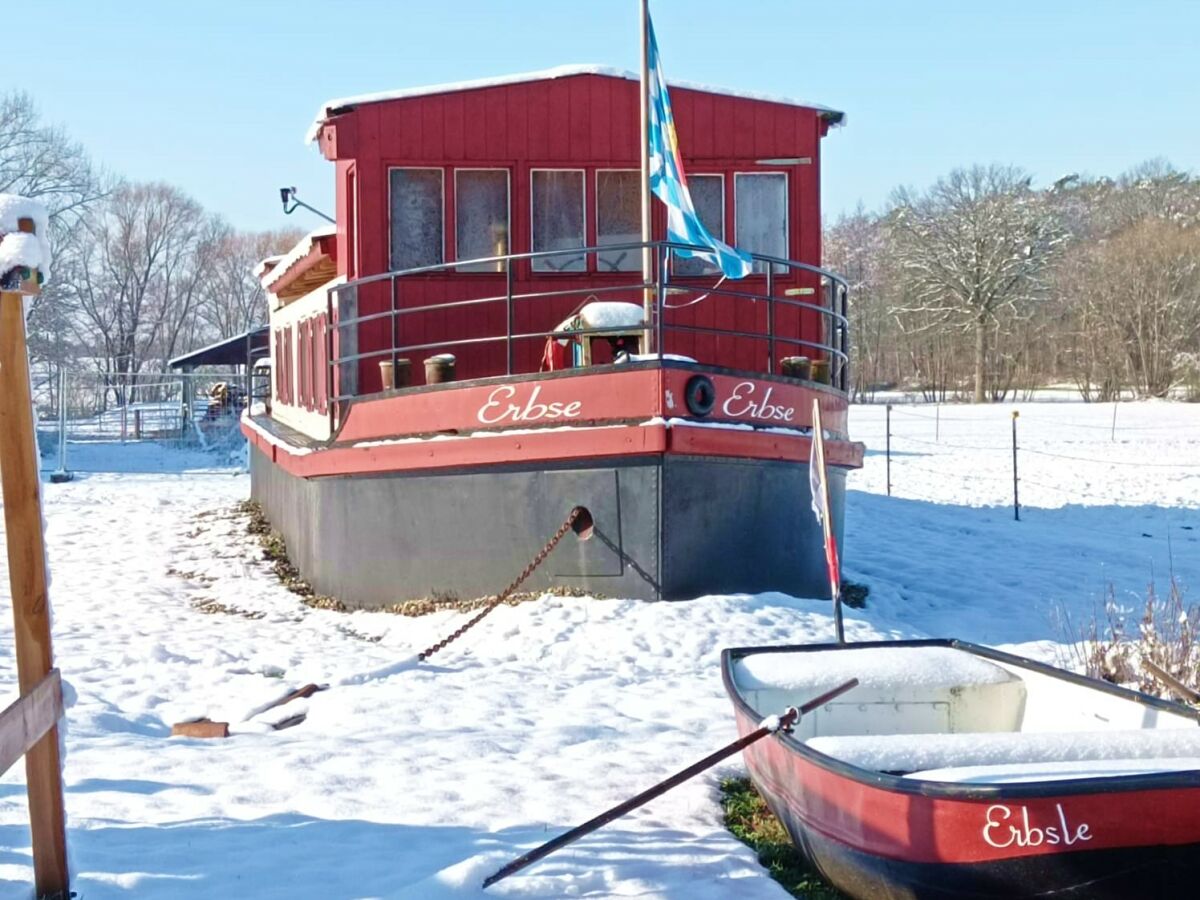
x: 475, y: 349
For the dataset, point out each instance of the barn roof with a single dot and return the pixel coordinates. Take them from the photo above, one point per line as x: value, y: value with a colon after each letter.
x: 234, y: 351
x: 344, y: 104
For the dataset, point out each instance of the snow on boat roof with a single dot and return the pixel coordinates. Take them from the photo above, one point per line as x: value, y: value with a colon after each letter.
x: 293, y: 256
x: 933, y: 752
x: 874, y: 667
x: 333, y: 107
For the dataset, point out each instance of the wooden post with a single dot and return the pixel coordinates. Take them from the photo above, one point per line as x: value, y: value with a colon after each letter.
x: 27, y: 575
x: 1016, y: 494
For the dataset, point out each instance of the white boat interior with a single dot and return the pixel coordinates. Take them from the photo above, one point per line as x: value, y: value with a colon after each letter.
x: 945, y: 714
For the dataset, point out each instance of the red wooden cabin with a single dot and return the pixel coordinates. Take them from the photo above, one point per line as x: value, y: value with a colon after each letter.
x: 549, y: 160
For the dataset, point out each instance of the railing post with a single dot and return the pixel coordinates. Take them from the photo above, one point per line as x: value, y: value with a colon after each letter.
x: 508, y: 316
x: 330, y: 362
x: 395, y: 323
x: 660, y: 296
x: 844, y: 293
x: 771, y: 319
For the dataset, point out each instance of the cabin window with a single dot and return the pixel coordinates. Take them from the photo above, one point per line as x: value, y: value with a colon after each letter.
x: 416, y: 203
x: 556, y: 198
x: 618, y: 219
x: 481, y: 217
x: 762, y: 225
x: 708, y: 196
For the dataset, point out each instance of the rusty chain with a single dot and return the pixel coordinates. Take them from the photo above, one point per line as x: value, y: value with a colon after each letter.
x: 500, y: 598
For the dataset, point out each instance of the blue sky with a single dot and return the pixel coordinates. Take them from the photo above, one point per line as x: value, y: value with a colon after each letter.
x: 215, y: 96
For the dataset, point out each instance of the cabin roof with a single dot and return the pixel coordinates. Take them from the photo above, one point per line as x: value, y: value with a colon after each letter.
x: 332, y: 108
x: 306, y: 266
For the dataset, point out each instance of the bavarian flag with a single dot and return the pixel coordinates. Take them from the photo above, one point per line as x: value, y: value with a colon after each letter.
x: 669, y: 184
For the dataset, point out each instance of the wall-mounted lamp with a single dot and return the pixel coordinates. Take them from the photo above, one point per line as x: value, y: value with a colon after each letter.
x: 288, y: 195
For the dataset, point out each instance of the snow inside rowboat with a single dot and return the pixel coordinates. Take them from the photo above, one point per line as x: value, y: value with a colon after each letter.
x: 943, y: 714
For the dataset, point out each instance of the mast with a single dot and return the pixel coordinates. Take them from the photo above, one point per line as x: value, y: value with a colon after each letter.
x: 649, y: 293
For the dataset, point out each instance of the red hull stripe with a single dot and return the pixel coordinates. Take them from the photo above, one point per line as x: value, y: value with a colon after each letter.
x: 546, y: 445
x: 593, y: 397
x: 928, y: 829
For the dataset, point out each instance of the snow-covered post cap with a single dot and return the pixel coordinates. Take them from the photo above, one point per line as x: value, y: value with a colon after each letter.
x: 24, y: 244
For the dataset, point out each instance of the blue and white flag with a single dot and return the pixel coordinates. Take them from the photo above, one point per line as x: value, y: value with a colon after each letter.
x: 669, y: 184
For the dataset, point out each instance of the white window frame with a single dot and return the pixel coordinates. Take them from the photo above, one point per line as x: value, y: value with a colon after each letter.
x: 583, y: 222
x: 724, y: 226
x: 508, y: 179
x: 787, y: 211
x: 596, y: 223
x: 441, y: 170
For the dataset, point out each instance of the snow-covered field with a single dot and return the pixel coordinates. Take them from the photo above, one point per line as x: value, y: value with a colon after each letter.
x: 420, y: 784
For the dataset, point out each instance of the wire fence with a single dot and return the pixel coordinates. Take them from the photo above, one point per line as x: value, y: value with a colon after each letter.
x: 92, y: 421
x: 1042, y: 454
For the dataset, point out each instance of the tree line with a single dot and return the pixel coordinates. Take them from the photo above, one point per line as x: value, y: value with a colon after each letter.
x: 142, y: 272
x: 984, y: 287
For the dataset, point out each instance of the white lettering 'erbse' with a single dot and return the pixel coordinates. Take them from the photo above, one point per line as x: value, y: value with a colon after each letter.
x: 742, y: 403
x: 499, y: 407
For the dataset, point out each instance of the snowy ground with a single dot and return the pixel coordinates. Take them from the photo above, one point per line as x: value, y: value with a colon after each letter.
x: 420, y: 784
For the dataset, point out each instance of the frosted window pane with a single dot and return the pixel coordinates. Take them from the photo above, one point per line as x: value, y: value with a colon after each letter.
x: 416, y: 210
x: 708, y: 196
x: 619, y: 219
x: 481, y: 217
x: 762, y: 216
x: 558, y: 219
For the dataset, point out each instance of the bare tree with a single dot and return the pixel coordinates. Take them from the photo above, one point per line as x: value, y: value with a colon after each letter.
x: 140, y: 272
x: 855, y: 248
x: 974, y: 250
x: 37, y: 160
x: 236, y: 300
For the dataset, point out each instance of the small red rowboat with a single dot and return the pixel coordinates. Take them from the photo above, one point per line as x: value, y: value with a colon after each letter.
x: 955, y: 770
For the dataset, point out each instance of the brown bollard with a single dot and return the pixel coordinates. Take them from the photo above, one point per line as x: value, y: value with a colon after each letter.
x: 796, y: 367
x: 440, y: 369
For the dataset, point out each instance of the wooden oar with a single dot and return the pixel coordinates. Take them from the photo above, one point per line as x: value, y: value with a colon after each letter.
x: 783, y: 722
x: 1181, y: 690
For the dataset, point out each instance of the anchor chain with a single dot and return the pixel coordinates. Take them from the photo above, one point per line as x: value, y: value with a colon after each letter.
x: 503, y: 595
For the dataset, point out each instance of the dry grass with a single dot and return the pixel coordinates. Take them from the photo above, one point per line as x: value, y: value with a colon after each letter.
x: 1116, y: 642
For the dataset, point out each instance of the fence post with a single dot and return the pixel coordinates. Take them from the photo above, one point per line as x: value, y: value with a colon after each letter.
x: 59, y: 475
x: 1113, y: 435
x: 1016, y: 495
x: 889, y: 449
x: 27, y: 575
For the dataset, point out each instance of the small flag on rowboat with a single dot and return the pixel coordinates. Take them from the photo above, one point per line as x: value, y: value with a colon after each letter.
x: 819, y: 487
x: 669, y: 183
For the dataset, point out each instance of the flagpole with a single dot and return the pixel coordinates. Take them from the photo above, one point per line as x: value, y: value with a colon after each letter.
x: 648, y: 294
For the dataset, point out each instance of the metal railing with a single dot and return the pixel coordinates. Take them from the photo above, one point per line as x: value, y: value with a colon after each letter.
x: 762, y: 286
